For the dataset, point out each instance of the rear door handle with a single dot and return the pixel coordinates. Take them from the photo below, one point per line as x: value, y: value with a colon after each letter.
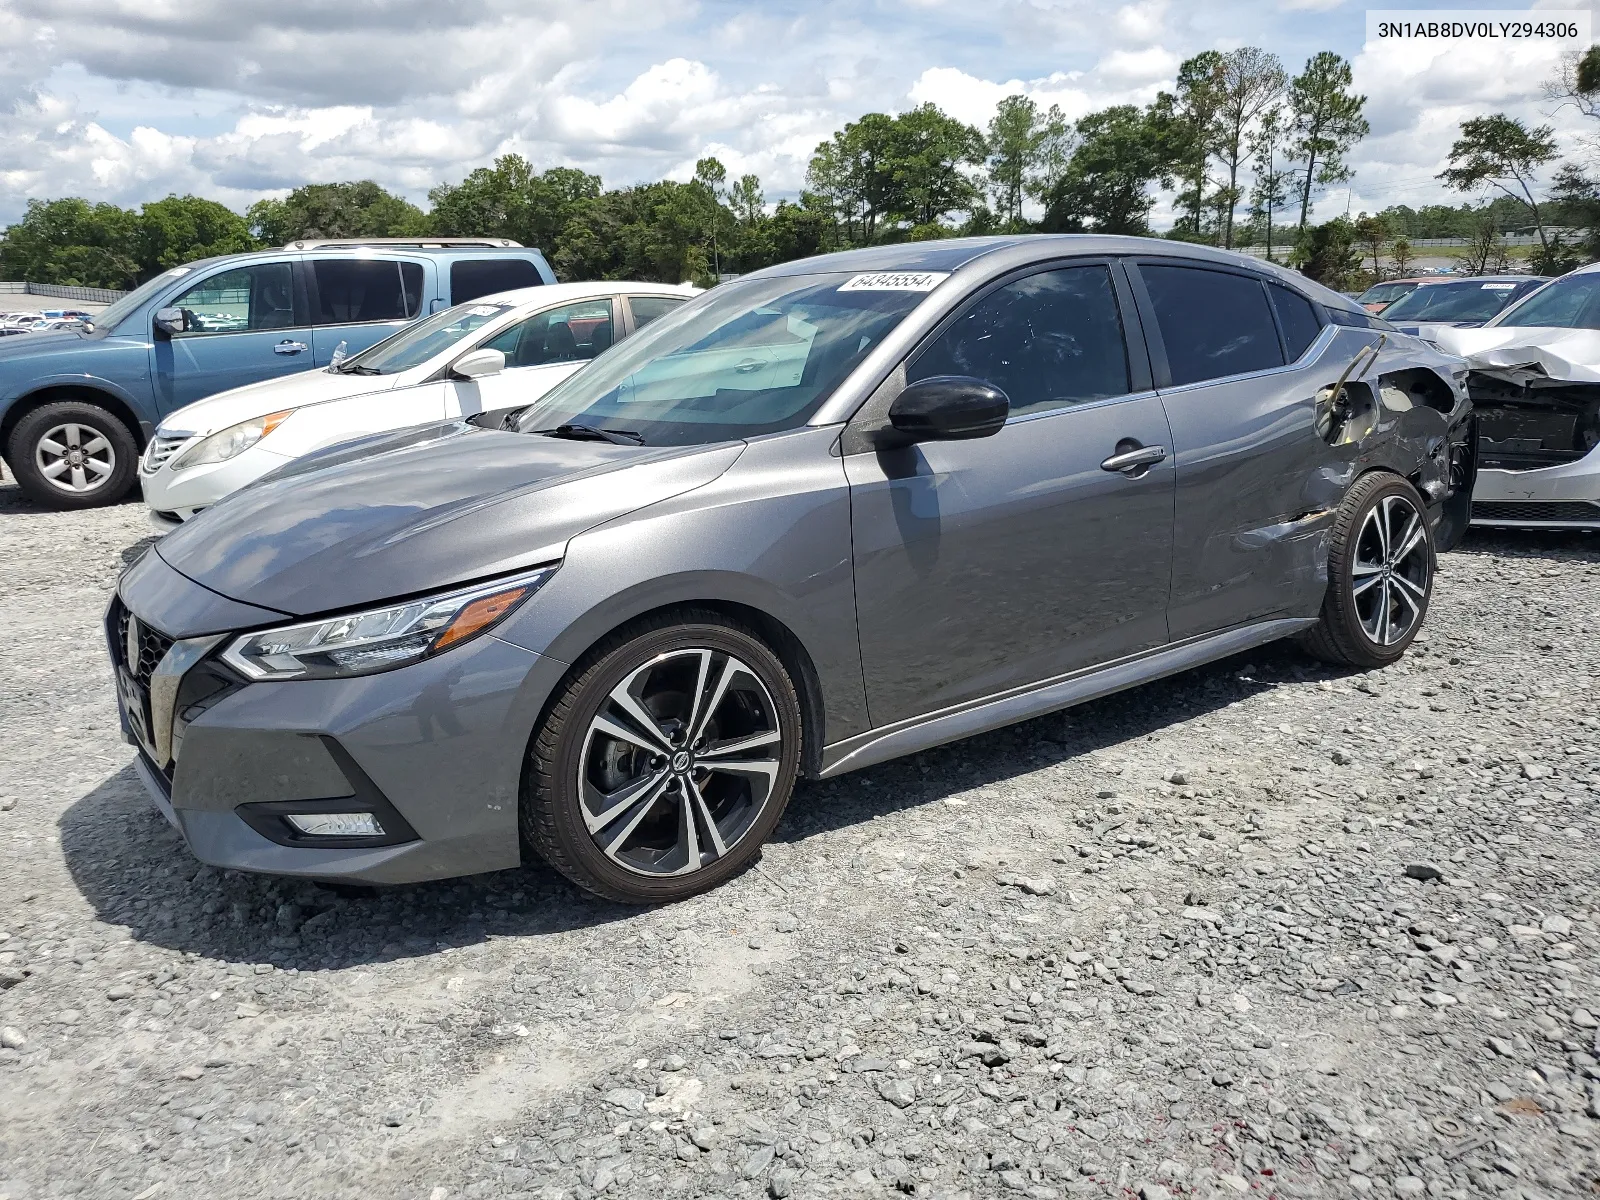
x: 288, y: 347
x: 1135, y: 460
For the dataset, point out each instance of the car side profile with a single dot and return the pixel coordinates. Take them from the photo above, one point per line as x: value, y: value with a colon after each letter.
x: 79, y: 403
x: 827, y: 514
x: 490, y: 355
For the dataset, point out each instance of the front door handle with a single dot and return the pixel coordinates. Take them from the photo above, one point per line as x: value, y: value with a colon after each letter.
x: 1132, y: 459
x: 288, y: 347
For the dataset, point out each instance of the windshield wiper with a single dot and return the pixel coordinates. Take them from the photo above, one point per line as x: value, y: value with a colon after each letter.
x: 355, y: 369
x: 593, y: 433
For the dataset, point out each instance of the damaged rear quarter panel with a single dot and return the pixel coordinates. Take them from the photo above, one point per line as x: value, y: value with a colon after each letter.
x: 1260, y: 477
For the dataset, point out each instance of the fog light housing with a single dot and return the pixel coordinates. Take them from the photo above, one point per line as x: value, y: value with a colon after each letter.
x: 339, y: 825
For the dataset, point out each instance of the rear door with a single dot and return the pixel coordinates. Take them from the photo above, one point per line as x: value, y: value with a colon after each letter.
x: 1238, y: 362
x: 244, y: 323
x: 357, y: 302
x: 541, y: 351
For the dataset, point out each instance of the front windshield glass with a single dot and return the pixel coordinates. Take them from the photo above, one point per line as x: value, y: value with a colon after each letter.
x: 1382, y: 293
x: 1451, y: 302
x: 751, y: 357
x: 416, y: 344
x: 1569, y: 303
x: 112, y: 314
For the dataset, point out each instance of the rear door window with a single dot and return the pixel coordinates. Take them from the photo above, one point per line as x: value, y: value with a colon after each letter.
x: 474, y: 277
x: 353, y: 291
x: 652, y: 308
x: 1047, y: 340
x: 1296, y: 317
x: 1213, y: 323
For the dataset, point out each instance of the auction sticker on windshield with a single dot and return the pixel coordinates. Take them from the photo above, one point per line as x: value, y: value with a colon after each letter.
x: 1498, y: 287
x: 895, y: 281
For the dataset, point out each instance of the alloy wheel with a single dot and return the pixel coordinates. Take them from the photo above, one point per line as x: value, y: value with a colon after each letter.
x: 679, y: 762
x: 75, y: 458
x: 1390, y: 576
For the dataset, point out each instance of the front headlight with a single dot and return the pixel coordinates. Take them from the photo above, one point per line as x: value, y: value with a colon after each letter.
x: 380, y: 639
x: 230, y: 442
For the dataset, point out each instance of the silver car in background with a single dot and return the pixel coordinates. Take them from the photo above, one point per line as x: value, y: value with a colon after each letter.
x: 824, y: 515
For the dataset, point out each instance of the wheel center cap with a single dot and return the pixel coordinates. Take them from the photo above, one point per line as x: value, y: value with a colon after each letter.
x: 680, y: 761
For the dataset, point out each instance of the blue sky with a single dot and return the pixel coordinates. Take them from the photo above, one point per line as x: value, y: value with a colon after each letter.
x: 129, y: 100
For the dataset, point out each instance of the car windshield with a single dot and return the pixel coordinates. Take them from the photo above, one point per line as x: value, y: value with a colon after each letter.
x: 113, y: 314
x: 1569, y: 303
x: 1469, y: 301
x: 416, y: 344
x: 1382, y: 293
x: 750, y: 357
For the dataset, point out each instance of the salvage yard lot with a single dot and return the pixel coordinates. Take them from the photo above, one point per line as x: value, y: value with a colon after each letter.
x: 1263, y: 926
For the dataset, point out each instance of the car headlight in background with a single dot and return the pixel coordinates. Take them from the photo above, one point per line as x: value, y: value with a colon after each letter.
x: 380, y: 639
x: 230, y: 442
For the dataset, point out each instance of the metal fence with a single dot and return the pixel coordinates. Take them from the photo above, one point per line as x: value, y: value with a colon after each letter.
x: 62, y: 291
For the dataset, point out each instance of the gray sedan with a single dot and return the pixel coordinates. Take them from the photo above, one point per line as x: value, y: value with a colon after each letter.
x: 828, y: 514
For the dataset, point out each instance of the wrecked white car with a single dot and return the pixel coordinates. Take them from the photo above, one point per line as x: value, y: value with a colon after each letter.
x: 1535, y: 385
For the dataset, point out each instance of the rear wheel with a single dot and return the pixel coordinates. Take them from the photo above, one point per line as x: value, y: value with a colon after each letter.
x: 665, y: 762
x: 72, y: 454
x: 1380, y: 575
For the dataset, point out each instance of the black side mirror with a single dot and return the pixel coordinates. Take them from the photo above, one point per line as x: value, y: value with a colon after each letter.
x: 948, y: 408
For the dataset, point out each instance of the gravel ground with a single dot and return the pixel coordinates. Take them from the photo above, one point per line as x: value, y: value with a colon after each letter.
x: 1260, y: 928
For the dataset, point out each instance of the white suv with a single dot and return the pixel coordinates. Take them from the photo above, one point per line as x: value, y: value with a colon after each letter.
x: 496, y: 352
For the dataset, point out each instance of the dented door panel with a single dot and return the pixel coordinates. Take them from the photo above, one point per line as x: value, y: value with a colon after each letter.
x: 1264, y: 460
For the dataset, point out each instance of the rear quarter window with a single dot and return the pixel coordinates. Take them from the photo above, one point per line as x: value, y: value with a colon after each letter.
x: 1296, y: 317
x: 474, y: 277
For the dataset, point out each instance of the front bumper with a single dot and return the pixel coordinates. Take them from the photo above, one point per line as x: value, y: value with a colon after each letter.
x: 439, y: 745
x: 184, y: 493
x: 1559, y: 497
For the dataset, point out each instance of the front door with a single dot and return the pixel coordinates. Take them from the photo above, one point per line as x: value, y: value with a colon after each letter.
x: 991, y: 564
x: 243, y: 324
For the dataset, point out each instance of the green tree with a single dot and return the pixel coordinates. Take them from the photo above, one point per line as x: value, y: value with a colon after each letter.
x: 1327, y: 122
x: 711, y: 176
x: 181, y: 229
x: 1327, y: 254
x: 929, y: 150
x: 1401, y: 253
x: 1374, y: 235
x: 1502, y: 152
x: 71, y: 241
x: 1249, y: 85
x: 335, y: 210
x: 1016, y: 137
x: 1190, y: 120
x: 509, y: 199
x: 1121, y: 152
x: 853, y: 173
x: 1271, y: 190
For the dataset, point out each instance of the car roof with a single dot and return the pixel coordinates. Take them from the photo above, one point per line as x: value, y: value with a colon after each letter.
x: 1439, y: 280
x: 558, y: 293
x: 951, y: 254
x: 369, y: 251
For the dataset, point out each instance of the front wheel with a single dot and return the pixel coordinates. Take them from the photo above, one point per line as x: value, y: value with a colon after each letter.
x: 1380, y: 575
x: 665, y: 761
x: 72, y: 454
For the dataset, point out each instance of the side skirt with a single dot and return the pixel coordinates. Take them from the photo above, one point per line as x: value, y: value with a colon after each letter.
x: 980, y: 716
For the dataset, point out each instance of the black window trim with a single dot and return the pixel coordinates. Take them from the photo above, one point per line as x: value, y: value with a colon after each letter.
x: 297, y: 289
x: 1159, y: 368
x: 314, y: 296
x: 1139, y: 375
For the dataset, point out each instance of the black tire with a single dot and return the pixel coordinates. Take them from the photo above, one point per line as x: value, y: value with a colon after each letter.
x: 566, y: 751
x: 1352, y: 631
x: 106, y: 472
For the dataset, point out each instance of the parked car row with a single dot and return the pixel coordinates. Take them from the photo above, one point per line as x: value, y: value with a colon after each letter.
x: 821, y: 516
x: 12, y: 323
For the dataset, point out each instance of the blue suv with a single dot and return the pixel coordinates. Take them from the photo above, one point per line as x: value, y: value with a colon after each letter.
x: 78, y: 405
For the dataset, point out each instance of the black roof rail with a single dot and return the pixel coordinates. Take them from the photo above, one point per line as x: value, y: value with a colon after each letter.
x: 414, y: 243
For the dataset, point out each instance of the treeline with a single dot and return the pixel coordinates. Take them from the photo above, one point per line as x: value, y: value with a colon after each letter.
x: 1241, y: 148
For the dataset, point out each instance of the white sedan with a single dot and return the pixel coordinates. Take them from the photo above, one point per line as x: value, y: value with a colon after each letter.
x: 496, y: 352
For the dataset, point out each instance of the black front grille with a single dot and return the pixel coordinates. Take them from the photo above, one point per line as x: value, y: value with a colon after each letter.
x: 1535, y: 510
